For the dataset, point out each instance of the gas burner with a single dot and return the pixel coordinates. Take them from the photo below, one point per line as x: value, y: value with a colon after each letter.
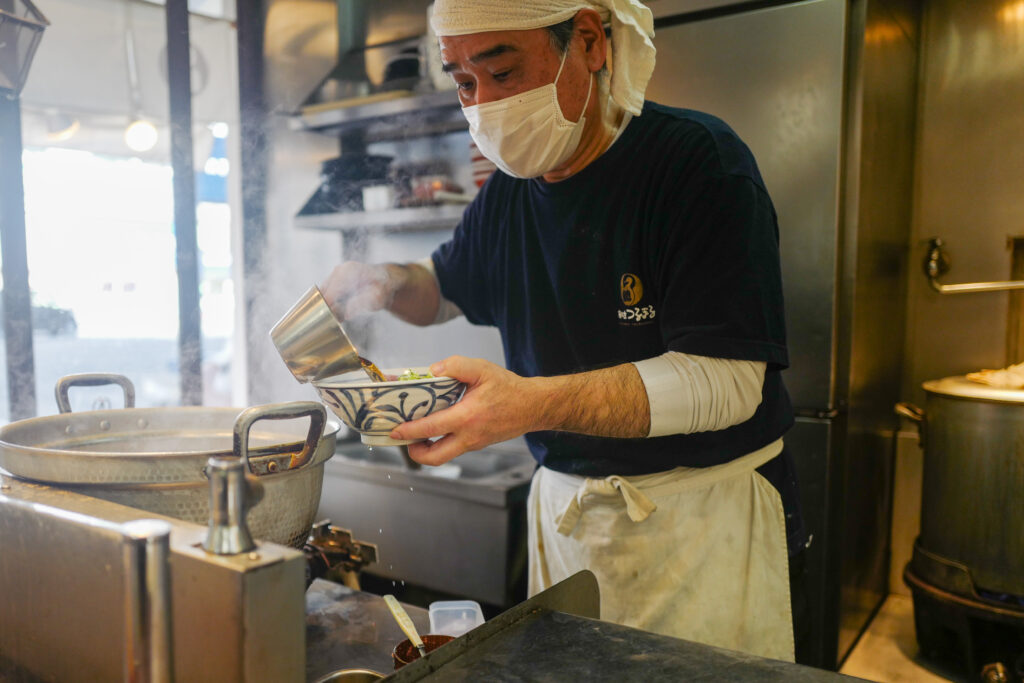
x: 331, y: 550
x: 960, y: 624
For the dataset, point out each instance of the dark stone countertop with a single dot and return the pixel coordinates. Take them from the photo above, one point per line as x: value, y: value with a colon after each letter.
x: 555, y: 647
x: 351, y: 629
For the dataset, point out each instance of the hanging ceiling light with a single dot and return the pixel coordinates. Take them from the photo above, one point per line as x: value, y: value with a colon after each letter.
x: 21, y: 27
x: 140, y: 135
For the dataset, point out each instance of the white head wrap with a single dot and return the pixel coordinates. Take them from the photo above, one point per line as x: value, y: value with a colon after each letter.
x: 632, y: 33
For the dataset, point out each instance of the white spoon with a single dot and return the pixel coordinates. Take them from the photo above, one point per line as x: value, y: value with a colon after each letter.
x: 405, y: 622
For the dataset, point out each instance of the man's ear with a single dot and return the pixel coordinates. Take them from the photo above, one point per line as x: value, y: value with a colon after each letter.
x: 587, y: 25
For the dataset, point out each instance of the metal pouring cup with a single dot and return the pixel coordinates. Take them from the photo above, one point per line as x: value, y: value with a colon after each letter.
x: 312, y: 342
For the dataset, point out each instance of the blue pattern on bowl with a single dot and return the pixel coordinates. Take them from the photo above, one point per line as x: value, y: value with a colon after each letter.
x: 379, y: 408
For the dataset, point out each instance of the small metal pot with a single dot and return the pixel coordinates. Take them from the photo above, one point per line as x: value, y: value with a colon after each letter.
x: 155, y: 459
x: 312, y: 342
x: 406, y: 653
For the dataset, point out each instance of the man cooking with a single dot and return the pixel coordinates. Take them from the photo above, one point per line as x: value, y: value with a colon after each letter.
x: 628, y: 254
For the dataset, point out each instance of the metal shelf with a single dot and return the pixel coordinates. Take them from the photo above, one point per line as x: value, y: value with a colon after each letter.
x: 386, y: 116
x: 423, y: 218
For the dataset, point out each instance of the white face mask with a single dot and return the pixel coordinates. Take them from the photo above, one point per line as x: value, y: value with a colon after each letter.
x: 526, y: 135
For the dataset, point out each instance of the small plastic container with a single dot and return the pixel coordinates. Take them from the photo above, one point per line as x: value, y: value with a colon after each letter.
x: 455, y: 617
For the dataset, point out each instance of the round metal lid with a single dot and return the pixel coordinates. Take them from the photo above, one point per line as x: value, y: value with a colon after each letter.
x: 961, y: 387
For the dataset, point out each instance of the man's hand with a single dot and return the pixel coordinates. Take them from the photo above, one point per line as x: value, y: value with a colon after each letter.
x: 499, y: 405
x: 409, y: 291
x: 493, y: 409
x: 353, y: 289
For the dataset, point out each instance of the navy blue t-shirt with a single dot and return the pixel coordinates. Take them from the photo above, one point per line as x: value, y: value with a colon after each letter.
x: 668, y: 241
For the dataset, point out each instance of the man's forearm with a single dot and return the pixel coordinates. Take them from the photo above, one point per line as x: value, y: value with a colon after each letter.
x: 416, y: 295
x: 607, y: 402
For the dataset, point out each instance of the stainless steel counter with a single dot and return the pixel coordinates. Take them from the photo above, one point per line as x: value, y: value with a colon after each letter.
x: 459, y: 529
x: 349, y: 629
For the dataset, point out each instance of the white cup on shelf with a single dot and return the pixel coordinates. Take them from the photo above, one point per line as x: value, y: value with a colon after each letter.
x: 378, y: 198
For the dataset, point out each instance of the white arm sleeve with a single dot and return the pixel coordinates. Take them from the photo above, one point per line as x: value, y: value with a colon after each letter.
x: 686, y: 393
x: 690, y: 394
x: 446, y: 310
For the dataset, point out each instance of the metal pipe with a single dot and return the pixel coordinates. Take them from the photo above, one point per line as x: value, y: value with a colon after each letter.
x: 132, y: 67
x: 17, y: 299
x: 253, y: 123
x: 937, y: 263
x: 148, y: 653
x: 187, y: 251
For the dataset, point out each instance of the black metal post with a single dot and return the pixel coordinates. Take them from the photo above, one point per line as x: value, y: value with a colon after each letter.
x: 251, y: 24
x: 179, y: 79
x: 17, y: 300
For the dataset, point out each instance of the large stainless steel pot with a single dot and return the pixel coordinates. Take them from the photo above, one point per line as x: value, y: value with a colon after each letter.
x: 972, y: 502
x: 154, y: 459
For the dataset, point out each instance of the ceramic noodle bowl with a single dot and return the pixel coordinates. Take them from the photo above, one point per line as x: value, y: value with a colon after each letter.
x: 375, y: 408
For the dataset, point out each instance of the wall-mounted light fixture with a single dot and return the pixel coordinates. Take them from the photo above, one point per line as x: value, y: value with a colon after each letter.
x: 1012, y: 12
x: 21, y: 27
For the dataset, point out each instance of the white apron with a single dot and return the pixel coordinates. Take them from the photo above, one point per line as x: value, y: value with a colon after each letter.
x: 695, y: 553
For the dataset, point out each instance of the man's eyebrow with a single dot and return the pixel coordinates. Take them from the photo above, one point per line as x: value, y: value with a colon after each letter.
x: 489, y: 53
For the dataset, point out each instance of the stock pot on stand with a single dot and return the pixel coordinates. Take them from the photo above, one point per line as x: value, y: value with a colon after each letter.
x: 972, y: 496
x: 966, y: 573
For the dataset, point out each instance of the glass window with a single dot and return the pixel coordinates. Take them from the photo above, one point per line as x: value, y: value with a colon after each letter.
x: 99, y: 203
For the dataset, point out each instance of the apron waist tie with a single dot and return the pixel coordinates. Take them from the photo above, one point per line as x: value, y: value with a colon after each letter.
x: 638, y: 506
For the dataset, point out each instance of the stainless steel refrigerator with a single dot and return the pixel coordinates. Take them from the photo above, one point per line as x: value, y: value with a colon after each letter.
x: 823, y: 92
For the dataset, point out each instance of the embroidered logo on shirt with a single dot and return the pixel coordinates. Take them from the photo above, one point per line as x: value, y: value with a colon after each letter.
x: 631, y: 290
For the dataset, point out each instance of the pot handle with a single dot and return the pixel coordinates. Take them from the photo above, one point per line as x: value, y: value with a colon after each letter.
x: 92, y: 379
x: 914, y: 414
x: 910, y: 411
x: 281, y: 411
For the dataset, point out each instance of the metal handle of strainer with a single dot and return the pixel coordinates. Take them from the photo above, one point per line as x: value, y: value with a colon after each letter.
x: 316, y: 413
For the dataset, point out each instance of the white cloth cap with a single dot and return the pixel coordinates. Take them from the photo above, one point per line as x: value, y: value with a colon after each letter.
x: 632, y: 53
